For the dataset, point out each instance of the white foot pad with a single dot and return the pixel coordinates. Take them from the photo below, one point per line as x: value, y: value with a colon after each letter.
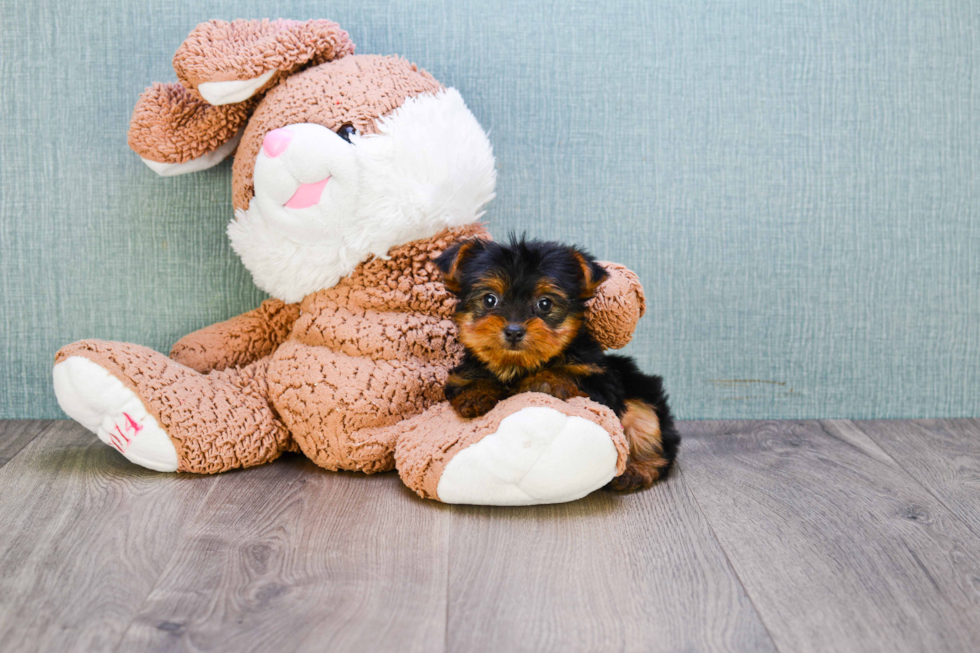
x: 101, y: 403
x: 234, y: 91
x: 202, y: 162
x: 537, y: 455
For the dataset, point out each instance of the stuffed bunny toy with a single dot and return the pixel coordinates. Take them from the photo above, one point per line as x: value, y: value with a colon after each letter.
x: 351, y: 173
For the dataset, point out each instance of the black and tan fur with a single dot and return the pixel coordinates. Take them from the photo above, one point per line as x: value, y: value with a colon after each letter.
x: 537, y: 292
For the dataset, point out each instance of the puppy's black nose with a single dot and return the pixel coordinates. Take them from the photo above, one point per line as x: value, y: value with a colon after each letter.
x: 514, y: 333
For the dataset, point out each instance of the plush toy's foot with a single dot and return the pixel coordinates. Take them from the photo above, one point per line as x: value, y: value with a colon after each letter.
x: 101, y: 403
x: 529, y: 449
x: 164, y: 415
x: 537, y: 455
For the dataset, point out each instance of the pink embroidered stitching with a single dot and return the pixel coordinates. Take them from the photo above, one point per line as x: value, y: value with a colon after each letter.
x: 133, y: 424
x: 119, y: 437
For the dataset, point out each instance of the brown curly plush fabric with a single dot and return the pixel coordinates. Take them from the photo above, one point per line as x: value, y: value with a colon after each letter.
x: 356, y: 89
x: 219, y: 51
x: 238, y: 341
x: 618, y: 305
x: 368, y: 353
x: 171, y: 125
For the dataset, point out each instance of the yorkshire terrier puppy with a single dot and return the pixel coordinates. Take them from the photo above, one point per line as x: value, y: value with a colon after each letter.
x: 520, y: 316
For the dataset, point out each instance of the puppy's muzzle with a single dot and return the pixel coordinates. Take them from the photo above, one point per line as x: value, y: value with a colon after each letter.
x: 514, y: 333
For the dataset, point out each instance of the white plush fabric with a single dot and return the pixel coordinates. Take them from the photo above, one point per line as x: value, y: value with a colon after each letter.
x: 537, y: 455
x: 209, y: 160
x: 239, y: 90
x: 430, y: 167
x: 100, y: 402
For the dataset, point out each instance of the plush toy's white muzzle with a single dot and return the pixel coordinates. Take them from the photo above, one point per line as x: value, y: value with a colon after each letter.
x: 306, y: 182
x: 323, y: 205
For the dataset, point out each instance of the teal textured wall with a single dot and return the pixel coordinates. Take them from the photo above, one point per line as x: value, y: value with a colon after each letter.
x: 798, y: 187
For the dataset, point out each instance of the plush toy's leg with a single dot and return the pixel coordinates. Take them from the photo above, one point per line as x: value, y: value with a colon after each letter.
x: 530, y: 449
x: 165, y: 416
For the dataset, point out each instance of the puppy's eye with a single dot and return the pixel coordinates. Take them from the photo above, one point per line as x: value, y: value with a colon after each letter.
x: 489, y: 300
x: 346, y: 131
x: 544, y: 304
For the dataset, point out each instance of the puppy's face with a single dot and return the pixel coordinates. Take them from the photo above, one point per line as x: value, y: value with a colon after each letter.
x: 520, y: 305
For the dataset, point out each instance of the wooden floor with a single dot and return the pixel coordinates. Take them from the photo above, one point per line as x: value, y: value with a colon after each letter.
x: 771, y: 536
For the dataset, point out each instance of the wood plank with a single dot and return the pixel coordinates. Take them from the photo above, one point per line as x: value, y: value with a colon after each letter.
x: 838, y: 548
x: 942, y: 454
x: 291, y: 557
x: 84, y: 534
x: 607, y: 573
x: 16, y: 433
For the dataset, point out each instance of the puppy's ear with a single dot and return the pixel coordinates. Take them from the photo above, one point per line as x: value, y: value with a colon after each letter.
x: 451, y: 261
x: 593, y: 274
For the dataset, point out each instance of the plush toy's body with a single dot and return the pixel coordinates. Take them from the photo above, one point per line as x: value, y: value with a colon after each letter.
x: 349, y: 178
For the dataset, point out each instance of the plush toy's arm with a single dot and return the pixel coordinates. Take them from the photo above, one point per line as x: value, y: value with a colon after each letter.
x: 617, y: 307
x: 238, y: 341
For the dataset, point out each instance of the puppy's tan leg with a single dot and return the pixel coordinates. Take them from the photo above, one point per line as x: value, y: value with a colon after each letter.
x: 646, y: 463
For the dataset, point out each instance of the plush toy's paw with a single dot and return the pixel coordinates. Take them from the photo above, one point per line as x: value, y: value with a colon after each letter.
x: 536, y: 455
x: 101, y: 403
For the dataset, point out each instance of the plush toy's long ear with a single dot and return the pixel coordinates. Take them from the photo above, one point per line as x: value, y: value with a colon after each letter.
x: 176, y: 133
x: 225, y: 63
x: 224, y: 69
x: 450, y: 262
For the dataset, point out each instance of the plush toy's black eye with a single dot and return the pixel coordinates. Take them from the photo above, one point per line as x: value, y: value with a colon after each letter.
x: 345, y: 131
x: 489, y: 300
x: 544, y: 304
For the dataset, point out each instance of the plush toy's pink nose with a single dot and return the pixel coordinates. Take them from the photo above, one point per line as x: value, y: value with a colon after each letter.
x: 276, y: 142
